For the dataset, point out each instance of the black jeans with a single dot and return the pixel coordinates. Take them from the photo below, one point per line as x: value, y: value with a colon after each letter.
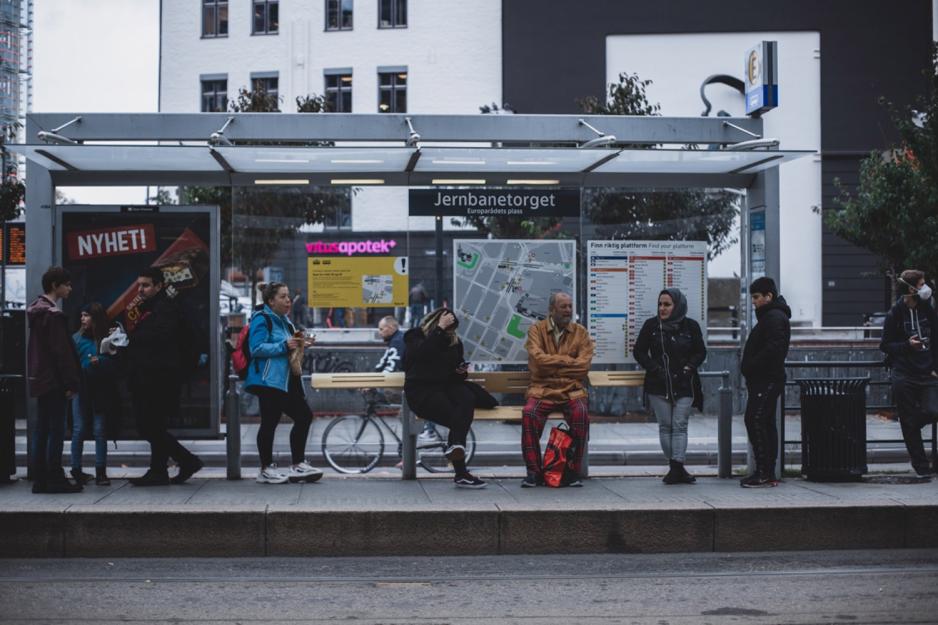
x: 274, y: 403
x: 47, y: 441
x: 908, y: 391
x: 452, y: 406
x: 760, y: 424
x: 155, y: 400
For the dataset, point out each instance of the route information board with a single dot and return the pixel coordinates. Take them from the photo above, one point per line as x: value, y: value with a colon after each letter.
x: 359, y: 281
x: 501, y: 287
x: 624, y: 279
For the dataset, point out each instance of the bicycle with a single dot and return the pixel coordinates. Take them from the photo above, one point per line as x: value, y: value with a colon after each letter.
x: 355, y: 443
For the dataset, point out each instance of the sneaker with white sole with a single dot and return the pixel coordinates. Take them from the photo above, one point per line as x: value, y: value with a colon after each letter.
x: 304, y: 472
x: 271, y: 475
x: 428, y: 436
x: 455, y: 453
x: 468, y: 480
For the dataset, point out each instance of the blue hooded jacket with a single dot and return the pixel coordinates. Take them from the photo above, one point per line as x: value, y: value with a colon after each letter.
x: 270, y: 362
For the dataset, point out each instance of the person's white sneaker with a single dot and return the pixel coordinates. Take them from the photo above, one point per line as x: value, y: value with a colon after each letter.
x: 428, y: 436
x: 271, y: 475
x: 304, y: 472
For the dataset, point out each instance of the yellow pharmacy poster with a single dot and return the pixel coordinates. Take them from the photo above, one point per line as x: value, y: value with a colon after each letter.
x: 357, y: 281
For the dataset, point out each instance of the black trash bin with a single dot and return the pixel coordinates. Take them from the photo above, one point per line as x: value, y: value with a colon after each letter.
x: 833, y: 429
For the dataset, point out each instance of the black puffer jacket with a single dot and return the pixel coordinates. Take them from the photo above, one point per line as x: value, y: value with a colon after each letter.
x: 767, y: 345
x: 903, y: 322
x: 430, y: 362
x: 154, y: 347
x: 671, y: 359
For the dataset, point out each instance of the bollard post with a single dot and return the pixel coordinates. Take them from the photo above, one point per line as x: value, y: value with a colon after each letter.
x: 408, y: 443
x: 725, y: 428
x: 233, y: 432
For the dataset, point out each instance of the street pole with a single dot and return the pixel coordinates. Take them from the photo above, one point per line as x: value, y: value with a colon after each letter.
x: 440, y: 291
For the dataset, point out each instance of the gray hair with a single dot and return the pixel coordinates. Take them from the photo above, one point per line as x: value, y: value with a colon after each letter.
x: 391, y: 321
x: 553, y: 297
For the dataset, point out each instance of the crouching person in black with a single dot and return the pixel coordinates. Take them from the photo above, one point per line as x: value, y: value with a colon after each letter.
x: 436, y: 386
x: 907, y: 336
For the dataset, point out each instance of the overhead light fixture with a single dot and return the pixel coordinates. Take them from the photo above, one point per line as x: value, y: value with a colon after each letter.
x: 752, y: 144
x: 413, y: 138
x: 454, y: 161
x: 601, y: 140
x: 282, y: 181
x: 458, y: 181
x: 532, y: 163
x: 281, y: 160
x: 357, y: 181
x: 357, y: 161
x: 53, y: 136
x: 218, y: 137
x: 533, y: 181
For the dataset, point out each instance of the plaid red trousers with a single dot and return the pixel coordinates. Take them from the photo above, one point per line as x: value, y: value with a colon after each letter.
x: 533, y: 418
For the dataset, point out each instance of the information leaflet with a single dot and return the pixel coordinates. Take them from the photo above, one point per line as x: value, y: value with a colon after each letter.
x: 624, y: 279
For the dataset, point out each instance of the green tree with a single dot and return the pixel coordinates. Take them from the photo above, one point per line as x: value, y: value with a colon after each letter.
x: 257, y: 221
x: 694, y: 215
x: 893, y: 212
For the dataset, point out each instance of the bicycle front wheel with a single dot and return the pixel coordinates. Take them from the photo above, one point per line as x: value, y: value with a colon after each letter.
x: 430, y: 452
x: 353, y: 444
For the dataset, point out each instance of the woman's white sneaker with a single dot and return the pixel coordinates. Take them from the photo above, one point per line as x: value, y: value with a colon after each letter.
x: 304, y: 472
x: 271, y: 475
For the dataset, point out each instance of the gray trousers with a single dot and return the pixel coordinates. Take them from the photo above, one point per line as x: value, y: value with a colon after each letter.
x: 672, y: 424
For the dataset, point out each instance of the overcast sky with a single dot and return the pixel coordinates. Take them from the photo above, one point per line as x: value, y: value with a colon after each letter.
x: 96, y: 56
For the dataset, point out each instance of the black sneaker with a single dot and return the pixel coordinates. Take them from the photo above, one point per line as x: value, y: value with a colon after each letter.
x: 80, y: 476
x: 150, y: 479
x: 572, y: 483
x: 757, y: 481
x: 62, y: 487
x: 924, y: 471
x: 531, y: 480
x: 187, y: 470
x: 467, y: 480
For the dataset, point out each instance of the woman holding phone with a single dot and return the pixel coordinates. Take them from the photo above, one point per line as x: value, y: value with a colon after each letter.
x: 670, y: 347
x: 436, y: 386
x: 273, y: 340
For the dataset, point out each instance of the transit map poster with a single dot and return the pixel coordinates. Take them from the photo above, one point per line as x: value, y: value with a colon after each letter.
x: 105, y: 248
x: 624, y: 279
x: 501, y: 287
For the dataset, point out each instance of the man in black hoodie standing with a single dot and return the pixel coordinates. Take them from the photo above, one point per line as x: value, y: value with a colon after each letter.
x: 763, y: 365
x: 54, y: 376
x: 154, y: 358
x: 907, y: 337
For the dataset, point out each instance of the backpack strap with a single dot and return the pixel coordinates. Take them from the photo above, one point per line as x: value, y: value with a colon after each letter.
x: 270, y: 330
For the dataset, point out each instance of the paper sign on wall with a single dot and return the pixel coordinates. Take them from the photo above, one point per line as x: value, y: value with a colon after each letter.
x: 357, y: 281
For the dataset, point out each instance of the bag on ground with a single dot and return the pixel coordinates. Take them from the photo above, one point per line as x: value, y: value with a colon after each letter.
x: 558, y: 456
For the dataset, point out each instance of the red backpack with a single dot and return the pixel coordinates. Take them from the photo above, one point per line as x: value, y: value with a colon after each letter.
x: 558, y: 455
x: 241, y: 356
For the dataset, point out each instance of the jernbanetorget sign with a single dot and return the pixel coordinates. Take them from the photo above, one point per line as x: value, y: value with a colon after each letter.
x: 524, y: 203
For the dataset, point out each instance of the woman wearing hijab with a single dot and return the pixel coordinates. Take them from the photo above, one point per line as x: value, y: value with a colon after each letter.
x: 436, y: 386
x: 670, y: 347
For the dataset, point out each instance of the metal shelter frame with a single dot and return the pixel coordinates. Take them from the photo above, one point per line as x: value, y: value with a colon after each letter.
x: 216, y: 149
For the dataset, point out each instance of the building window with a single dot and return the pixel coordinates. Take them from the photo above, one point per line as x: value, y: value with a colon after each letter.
x: 339, y: 91
x: 392, y: 92
x: 341, y: 219
x: 215, y: 95
x: 266, y: 17
x: 214, y: 18
x: 392, y: 13
x: 339, y: 14
x: 269, y: 84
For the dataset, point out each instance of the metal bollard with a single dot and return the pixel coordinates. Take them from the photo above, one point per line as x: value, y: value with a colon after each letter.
x: 408, y: 442
x: 233, y: 433
x: 725, y: 428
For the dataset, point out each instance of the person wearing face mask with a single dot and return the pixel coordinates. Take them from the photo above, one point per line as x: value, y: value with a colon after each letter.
x: 907, y: 342
x: 436, y: 386
x: 670, y: 347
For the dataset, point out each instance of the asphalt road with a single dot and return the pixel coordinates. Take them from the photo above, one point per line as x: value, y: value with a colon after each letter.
x: 856, y: 587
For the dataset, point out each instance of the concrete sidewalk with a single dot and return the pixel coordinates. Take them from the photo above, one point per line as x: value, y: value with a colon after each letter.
x: 372, y: 516
x: 499, y: 444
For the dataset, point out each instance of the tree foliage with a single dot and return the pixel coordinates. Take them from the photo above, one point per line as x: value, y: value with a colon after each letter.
x: 12, y: 190
x: 894, y: 210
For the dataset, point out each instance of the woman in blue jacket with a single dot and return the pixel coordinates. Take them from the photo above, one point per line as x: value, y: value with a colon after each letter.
x: 272, y: 337
x: 98, y: 398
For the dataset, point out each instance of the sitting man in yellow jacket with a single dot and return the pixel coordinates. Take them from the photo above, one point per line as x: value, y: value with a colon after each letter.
x: 560, y: 352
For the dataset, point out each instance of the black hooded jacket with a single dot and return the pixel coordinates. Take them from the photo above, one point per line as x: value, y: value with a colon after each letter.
x: 664, y: 355
x: 767, y: 345
x: 903, y: 322
x: 155, y: 342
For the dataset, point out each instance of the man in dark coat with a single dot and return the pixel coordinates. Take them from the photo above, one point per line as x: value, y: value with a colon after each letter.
x: 908, y: 332
x: 54, y: 376
x: 763, y: 365
x: 154, y: 357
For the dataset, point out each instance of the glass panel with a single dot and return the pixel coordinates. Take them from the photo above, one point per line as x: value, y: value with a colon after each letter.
x: 273, y: 17
x: 384, y: 101
x: 384, y: 13
x: 332, y: 14
x: 401, y: 13
x: 259, y: 22
x: 208, y: 20
x: 346, y: 101
x: 223, y: 19
x: 400, y: 100
x: 384, y: 79
x: 346, y: 14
